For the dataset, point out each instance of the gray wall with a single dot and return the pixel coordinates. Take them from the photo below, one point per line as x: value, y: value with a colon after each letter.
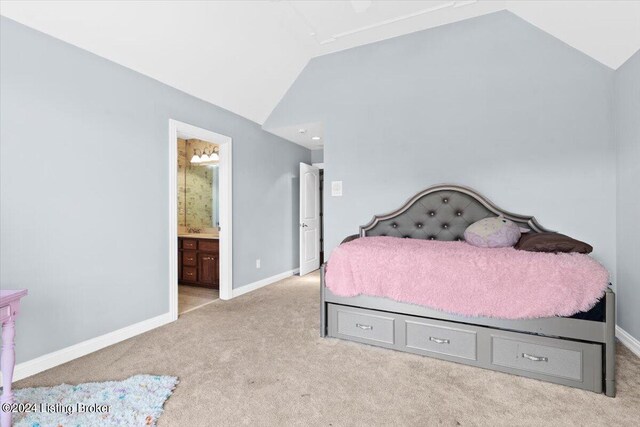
x: 84, y: 181
x: 491, y: 102
x: 317, y: 156
x: 627, y: 127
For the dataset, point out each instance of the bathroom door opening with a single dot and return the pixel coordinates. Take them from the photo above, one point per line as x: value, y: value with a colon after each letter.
x: 200, y: 229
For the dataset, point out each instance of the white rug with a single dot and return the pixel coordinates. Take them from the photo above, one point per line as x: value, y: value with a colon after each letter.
x: 136, y: 401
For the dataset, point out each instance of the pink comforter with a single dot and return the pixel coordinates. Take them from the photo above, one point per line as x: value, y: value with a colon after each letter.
x: 459, y: 278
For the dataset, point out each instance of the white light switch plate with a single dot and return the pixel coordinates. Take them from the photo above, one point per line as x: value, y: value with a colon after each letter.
x: 336, y: 188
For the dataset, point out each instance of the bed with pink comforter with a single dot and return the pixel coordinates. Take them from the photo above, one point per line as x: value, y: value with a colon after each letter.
x: 458, y: 278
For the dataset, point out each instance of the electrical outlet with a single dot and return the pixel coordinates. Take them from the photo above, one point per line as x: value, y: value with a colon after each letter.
x: 258, y: 263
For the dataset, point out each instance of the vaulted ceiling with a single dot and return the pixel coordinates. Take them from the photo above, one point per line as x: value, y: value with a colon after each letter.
x: 244, y: 55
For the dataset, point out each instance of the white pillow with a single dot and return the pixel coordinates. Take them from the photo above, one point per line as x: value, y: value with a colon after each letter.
x: 494, y: 232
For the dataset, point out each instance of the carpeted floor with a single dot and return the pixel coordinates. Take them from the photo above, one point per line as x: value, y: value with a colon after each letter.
x: 258, y: 360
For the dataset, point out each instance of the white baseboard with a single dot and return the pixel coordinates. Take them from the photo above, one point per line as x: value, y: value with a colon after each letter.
x: 261, y: 283
x: 51, y: 360
x: 48, y: 361
x: 630, y: 342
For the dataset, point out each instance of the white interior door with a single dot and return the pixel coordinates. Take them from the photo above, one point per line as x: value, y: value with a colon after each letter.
x: 309, y: 218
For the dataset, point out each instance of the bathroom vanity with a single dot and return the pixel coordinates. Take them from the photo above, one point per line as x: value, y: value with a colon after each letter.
x: 199, y: 260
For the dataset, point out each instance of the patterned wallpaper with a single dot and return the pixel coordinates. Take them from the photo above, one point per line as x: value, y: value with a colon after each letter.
x: 195, y: 187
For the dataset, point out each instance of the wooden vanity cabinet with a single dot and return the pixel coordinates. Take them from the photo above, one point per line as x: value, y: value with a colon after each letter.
x: 199, y: 262
x: 208, y: 269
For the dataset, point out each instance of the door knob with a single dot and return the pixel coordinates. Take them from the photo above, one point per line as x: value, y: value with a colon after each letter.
x: 303, y: 225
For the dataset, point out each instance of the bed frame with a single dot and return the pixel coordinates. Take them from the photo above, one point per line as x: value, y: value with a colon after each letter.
x: 573, y: 352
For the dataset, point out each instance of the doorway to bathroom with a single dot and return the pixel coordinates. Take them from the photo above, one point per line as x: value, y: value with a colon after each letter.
x: 200, y: 217
x: 198, y: 223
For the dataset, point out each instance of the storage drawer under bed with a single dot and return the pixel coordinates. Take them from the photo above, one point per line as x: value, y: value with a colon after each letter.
x: 363, y: 325
x: 562, y: 361
x: 436, y: 338
x: 567, y: 362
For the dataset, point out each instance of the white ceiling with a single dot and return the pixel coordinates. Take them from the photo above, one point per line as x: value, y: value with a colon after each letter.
x: 608, y: 31
x: 305, y: 134
x: 339, y: 25
x: 244, y: 55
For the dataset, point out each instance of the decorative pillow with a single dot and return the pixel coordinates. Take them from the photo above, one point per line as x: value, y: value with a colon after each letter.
x: 552, y: 242
x: 495, y: 232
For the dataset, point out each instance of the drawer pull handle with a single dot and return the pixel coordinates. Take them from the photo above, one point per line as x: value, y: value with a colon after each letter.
x: 535, y: 358
x: 439, y: 340
x: 365, y: 327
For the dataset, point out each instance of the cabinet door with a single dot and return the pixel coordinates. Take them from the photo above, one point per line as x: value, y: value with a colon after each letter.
x: 207, y: 266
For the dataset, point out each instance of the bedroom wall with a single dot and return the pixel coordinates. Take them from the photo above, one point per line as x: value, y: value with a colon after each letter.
x: 83, y: 178
x: 491, y: 102
x: 627, y: 131
x: 317, y: 156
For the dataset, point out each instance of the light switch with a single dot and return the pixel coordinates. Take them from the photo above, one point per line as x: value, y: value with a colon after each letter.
x: 336, y: 188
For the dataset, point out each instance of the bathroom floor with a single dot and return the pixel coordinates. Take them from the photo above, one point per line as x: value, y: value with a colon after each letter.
x: 192, y: 297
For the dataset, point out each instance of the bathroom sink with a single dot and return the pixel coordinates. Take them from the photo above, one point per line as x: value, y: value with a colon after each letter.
x: 200, y: 235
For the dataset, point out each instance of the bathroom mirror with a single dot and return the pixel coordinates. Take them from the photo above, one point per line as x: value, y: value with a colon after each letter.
x: 198, y: 186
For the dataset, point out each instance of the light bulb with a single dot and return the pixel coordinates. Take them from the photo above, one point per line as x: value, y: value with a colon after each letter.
x: 214, y: 157
x: 195, y: 159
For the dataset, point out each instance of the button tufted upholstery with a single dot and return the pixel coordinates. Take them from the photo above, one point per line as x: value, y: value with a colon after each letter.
x: 441, y: 215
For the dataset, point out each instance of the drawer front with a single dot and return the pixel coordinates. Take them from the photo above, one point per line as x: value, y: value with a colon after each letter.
x: 189, y: 244
x: 369, y: 326
x: 5, y: 313
x: 536, y: 357
x: 189, y: 258
x: 208, y: 245
x: 189, y: 274
x: 441, y: 339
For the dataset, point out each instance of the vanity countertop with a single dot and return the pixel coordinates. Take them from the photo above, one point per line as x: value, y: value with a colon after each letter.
x: 200, y: 236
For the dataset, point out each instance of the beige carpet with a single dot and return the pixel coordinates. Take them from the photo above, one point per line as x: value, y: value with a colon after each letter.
x: 192, y: 297
x: 258, y: 360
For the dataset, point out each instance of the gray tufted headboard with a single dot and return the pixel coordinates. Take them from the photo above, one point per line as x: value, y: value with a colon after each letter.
x: 441, y: 212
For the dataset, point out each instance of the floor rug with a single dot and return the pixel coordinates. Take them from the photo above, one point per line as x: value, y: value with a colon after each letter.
x: 136, y: 401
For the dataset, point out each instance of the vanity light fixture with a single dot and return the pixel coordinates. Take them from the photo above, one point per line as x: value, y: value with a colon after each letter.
x: 204, y: 157
x: 196, y: 157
